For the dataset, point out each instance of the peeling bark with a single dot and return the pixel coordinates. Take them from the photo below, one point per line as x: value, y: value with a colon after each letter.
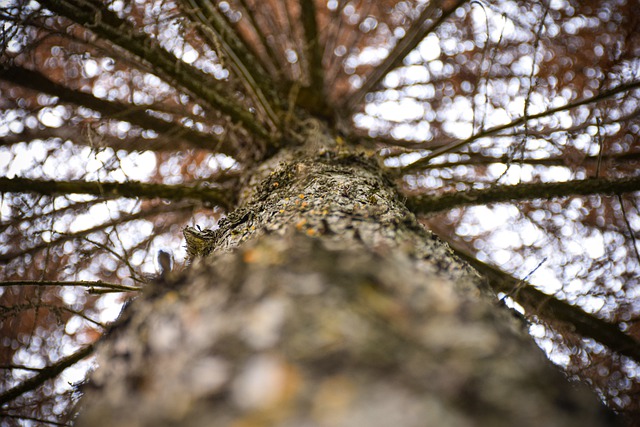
x: 321, y: 301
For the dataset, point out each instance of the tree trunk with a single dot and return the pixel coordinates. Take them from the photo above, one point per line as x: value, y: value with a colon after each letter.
x: 339, y: 310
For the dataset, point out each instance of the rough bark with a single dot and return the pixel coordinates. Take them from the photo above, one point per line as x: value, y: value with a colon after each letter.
x: 321, y: 301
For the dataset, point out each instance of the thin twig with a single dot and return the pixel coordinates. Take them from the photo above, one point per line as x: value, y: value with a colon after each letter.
x: 629, y: 229
x: 72, y: 283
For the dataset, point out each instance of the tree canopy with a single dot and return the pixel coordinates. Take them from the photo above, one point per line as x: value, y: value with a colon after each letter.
x: 511, y: 127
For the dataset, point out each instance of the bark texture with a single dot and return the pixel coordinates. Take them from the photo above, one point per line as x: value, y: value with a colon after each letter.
x: 321, y: 301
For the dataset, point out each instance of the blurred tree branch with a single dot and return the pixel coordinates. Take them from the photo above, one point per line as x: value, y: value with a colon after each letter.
x: 100, y: 140
x: 313, y: 52
x: 426, y: 204
x: 34, y: 419
x: 552, y: 310
x: 45, y: 374
x: 106, y: 24
x: 433, y: 14
x: 209, y: 196
x: 456, y: 144
x: 482, y: 160
x: 544, y: 133
x: 4, y: 258
x: 218, y: 33
x: 31, y: 216
x: 97, y: 285
x: 135, y: 115
x: 270, y: 59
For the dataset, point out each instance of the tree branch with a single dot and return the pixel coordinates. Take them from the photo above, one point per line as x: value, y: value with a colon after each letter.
x: 553, y: 310
x: 80, y: 136
x: 106, y: 24
x: 313, y: 50
x: 90, y: 284
x: 426, y: 204
x: 272, y: 59
x: 135, y: 115
x: 426, y: 23
x: 45, y: 374
x: 4, y: 258
x: 481, y: 160
x: 491, y: 131
x: 34, y: 419
x: 445, y: 141
x: 217, y: 32
x: 143, y: 190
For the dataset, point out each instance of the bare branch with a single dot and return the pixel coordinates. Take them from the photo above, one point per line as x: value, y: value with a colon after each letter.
x: 634, y: 243
x: 99, y: 139
x: 4, y: 258
x: 478, y: 159
x: 45, y: 374
x: 106, y: 24
x: 494, y: 130
x: 217, y: 32
x: 430, y: 18
x: 34, y: 419
x: 272, y: 59
x: 526, y: 191
x: 212, y: 196
x: 126, y: 112
x: 552, y: 310
x: 81, y: 283
x: 312, y: 48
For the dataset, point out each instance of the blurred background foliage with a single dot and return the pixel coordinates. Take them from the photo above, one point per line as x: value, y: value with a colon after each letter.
x: 453, y: 95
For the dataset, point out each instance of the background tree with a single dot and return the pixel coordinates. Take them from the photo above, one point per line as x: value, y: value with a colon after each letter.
x: 510, y: 127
